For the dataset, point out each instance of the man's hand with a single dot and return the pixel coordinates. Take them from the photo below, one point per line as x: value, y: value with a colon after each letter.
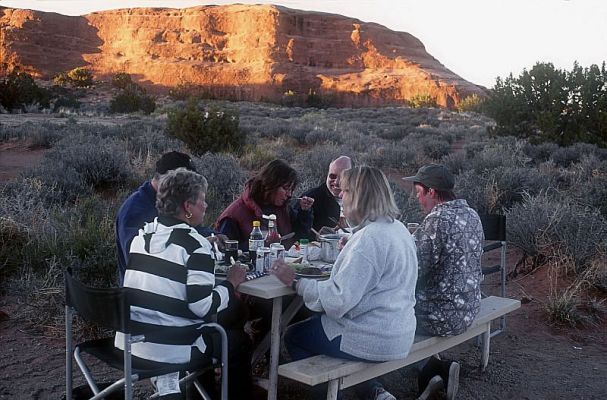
x: 282, y: 271
x: 219, y: 239
x: 237, y: 274
x: 305, y: 203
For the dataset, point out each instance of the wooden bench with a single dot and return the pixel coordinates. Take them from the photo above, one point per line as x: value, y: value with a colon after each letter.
x: 341, y: 374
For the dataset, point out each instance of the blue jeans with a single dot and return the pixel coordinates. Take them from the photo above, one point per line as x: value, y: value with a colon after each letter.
x: 307, y: 338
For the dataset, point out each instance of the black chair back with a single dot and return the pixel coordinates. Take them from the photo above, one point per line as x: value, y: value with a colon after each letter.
x: 494, y: 226
x: 104, y: 306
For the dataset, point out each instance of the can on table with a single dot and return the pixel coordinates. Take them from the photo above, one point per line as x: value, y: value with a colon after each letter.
x: 277, y: 252
x: 262, y: 261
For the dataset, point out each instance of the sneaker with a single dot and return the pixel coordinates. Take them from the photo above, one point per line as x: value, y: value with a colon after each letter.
x: 382, y: 394
x: 434, y: 386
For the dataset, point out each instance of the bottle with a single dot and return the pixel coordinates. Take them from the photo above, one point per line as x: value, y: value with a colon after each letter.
x: 273, y: 235
x: 303, y: 248
x: 255, y: 240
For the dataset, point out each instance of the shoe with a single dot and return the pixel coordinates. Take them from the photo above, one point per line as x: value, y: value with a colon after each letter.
x: 447, y: 370
x: 380, y: 393
x: 434, y: 386
x: 451, y: 371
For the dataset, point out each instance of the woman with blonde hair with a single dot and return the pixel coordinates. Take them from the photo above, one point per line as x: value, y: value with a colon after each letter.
x: 366, y: 308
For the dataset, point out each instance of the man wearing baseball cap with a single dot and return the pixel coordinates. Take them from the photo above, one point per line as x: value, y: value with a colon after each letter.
x: 449, y: 248
x: 140, y: 206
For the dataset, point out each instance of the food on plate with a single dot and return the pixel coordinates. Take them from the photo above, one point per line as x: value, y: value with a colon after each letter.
x: 310, y: 271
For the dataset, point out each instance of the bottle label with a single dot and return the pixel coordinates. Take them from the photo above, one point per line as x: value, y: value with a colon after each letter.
x: 254, y: 244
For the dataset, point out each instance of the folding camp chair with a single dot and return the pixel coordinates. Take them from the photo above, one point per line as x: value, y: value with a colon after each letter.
x: 494, y: 228
x: 108, y: 307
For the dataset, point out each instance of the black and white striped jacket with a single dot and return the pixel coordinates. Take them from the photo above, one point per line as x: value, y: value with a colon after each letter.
x: 170, y: 281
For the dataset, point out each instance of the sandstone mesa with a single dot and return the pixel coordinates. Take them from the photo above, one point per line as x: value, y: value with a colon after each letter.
x: 238, y: 52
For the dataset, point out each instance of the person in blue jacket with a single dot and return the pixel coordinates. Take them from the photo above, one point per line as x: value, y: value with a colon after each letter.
x: 140, y: 207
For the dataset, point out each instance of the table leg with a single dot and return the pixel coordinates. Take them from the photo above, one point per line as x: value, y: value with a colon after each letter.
x: 287, y: 316
x: 274, y: 348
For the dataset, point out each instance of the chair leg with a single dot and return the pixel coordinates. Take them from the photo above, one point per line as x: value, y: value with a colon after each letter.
x: 69, y: 372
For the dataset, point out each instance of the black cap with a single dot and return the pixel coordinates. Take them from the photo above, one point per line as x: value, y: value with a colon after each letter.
x: 434, y: 176
x: 173, y: 160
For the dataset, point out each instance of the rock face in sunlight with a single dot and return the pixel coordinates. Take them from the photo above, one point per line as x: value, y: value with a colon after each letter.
x: 241, y: 52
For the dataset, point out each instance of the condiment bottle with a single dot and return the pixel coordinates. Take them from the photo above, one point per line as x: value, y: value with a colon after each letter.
x: 273, y: 235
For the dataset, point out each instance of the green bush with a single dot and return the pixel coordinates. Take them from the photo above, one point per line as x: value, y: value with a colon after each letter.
x: 471, y: 103
x: 122, y: 81
x: 19, y: 90
x: 550, y: 104
x: 211, y: 130
x: 130, y: 100
x: 77, y: 77
x: 422, y: 101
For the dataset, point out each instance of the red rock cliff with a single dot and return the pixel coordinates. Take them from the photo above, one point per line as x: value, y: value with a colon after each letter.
x: 240, y: 52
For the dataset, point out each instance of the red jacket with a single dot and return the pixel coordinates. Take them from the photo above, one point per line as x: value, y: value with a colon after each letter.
x: 243, y: 211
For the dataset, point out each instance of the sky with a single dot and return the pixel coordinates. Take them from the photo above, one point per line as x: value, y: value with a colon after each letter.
x: 477, y: 39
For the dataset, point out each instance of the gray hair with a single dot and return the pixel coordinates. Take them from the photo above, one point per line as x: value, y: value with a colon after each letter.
x: 370, y: 191
x: 177, y: 186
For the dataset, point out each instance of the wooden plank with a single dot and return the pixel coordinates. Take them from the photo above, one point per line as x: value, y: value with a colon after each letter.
x: 318, y: 369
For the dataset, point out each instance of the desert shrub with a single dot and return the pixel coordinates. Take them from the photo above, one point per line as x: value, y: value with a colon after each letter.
x: 19, y: 90
x: 540, y: 152
x: 77, y: 165
x: 470, y: 103
x: 256, y: 156
x: 64, y: 102
x: 14, y: 236
x: 225, y: 178
x: 407, y: 203
x: 455, y: 162
x: 317, y: 100
x: 422, y: 101
x: 435, y: 148
x: 312, y: 165
x: 131, y: 98
x: 395, y: 156
x: 77, y: 77
x: 211, y: 130
x: 122, y: 81
x: 541, y: 225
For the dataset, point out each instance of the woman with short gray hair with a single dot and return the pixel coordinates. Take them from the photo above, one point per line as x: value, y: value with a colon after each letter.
x: 170, y: 279
x: 366, y: 307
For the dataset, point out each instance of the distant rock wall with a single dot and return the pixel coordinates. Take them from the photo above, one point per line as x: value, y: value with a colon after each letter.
x: 241, y: 52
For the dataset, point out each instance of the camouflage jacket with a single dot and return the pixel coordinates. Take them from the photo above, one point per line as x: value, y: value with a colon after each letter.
x: 449, y: 249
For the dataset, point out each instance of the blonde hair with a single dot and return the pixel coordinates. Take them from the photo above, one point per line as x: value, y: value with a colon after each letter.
x: 370, y: 193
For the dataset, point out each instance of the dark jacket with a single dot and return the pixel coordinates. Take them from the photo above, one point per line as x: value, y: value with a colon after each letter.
x: 325, y: 210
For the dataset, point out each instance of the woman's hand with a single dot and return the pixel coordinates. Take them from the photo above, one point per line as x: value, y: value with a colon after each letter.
x: 282, y: 271
x: 219, y: 239
x: 237, y: 274
x: 305, y: 203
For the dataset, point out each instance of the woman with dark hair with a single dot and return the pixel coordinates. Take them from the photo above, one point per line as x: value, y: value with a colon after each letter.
x: 170, y: 280
x: 268, y: 192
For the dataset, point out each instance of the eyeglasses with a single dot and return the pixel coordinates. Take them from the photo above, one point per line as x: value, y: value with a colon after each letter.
x: 333, y: 176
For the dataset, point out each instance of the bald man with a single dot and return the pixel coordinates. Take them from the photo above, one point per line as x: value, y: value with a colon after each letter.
x: 327, y: 204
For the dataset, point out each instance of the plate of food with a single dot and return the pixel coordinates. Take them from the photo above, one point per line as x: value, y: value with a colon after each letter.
x: 311, y: 271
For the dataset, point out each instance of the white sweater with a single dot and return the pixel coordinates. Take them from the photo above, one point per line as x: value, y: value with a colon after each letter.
x: 370, y: 297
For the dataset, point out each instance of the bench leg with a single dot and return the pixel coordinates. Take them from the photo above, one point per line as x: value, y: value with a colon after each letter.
x: 486, y: 344
x: 333, y: 389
